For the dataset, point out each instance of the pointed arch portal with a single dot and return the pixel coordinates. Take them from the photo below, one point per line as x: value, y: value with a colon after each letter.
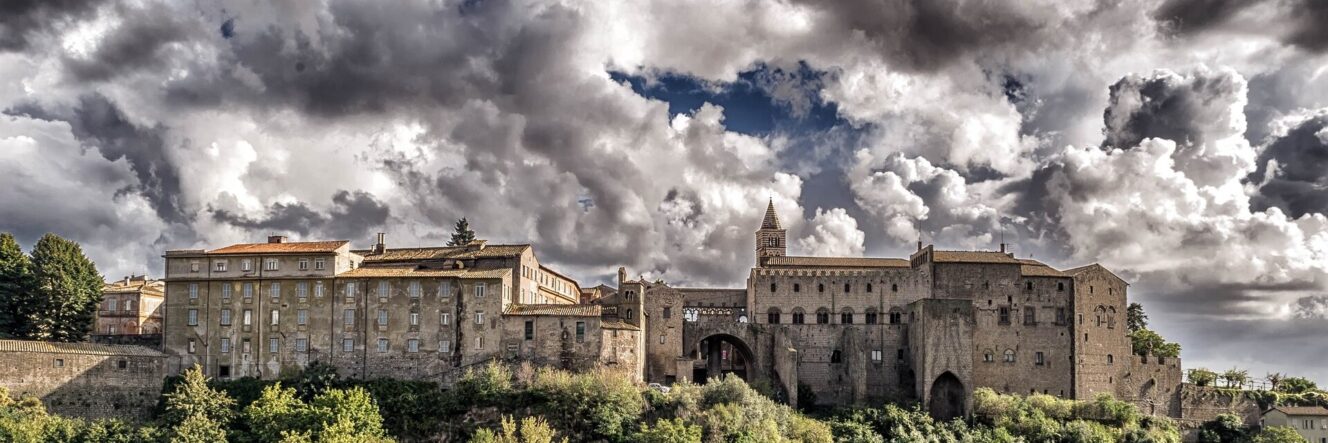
x: 947, y: 397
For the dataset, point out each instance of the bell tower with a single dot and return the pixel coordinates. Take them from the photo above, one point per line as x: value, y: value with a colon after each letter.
x: 770, y: 238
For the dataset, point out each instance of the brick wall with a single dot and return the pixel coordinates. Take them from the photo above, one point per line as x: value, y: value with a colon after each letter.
x: 84, y: 379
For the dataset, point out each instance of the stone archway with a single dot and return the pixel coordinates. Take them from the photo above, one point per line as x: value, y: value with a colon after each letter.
x: 724, y: 354
x: 947, y: 397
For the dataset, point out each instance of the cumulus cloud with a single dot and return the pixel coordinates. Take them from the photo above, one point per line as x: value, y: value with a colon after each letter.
x: 833, y: 233
x: 1292, y: 172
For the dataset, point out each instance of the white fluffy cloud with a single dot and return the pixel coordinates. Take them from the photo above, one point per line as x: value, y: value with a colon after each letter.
x: 833, y: 233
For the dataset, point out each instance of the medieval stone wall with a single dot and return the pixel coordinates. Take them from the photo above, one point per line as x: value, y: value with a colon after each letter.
x: 101, y: 381
x: 1102, y: 343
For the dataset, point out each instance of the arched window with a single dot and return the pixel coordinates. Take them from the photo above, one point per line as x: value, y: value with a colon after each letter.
x: 896, y: 315
x: 772, y: 316
x: 1111, y: 317
x: 797, y: 287
x: 820, y: 287
x: 1111, y: 359
x: 1028, y: 285
x: 988, y: 356
x: 822, y: 316
x: 894, y: 287
x: 1009, y: 356
x: 1100, y: 312
x: 798, y: 316
x: 869, y: 287
x: 629, y: 314
x: 772, y: 287
x: 870, y: 316
x: 846, y: 316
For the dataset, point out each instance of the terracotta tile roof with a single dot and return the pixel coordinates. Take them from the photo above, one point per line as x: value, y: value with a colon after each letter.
x: 618, y: 324
x: 973, y: 257
x: 577, y: 310
x: 415, y: 271
x: 839, y: 262
x: 147, y: 287
x: 1034, y: 268
x: 442, y: 252
x: 1303, y: 410
x: 282, y: 248
x: 76, y: 348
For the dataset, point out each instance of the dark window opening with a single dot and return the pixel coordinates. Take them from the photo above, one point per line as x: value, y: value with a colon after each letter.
x: 773, y: 316
x: 1004, y: 315
x: 870, y: 318
x: 846, y: 318
x: 1030, y: 316
x: 820, y: 287
x: 798, y: 318
x: 668, y: 312
x: 797, y: 287
x: 869, y: 287
x: 894, y: 288
x: 224, y: 371
x: 530, y: 329
x: 1028, y: 286
x: 1060, y: 286
x: 835, y: 357
x: 773, y: 287
x: 122, y: 364
x: 847, y: 288
x: 896, y: 318
x: 822, y: 317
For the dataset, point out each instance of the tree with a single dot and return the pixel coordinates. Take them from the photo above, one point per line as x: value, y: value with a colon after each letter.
x: 68, y: 290
x: 461, y: 235
x: 16, y: 284
x: 532, y: 430
x: 1296, y: 385
x: 1135, y: 318
x: 1274, y: 380
x: 1222, y: 429
x: 1278, y: 434
x: 1236, y: 378
x: 197, y: 412
x: 1147, y: 342
x: 1202, y: 376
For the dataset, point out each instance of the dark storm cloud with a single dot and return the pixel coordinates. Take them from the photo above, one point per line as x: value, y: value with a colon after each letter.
x: 23, y: 20
x: 1185, y: 17
x: 1164, y: 106
x: 352, y: 216
x: 1299, y: 183
x: 1313, y: 307
x: 138, y: 43
x: 99, y: 123
x: 1309, y: 29
x: 926, y: 35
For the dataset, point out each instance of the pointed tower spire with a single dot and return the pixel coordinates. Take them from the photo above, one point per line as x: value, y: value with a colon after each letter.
x: 771, y: 219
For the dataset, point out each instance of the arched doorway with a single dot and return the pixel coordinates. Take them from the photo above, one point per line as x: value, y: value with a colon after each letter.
x: 947, y: 397
x: 722, y: 354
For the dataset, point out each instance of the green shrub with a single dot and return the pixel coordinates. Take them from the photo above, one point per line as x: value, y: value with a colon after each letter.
x: 669, y: 431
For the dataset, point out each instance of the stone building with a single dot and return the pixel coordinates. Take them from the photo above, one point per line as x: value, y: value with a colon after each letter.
x: 931, y: 327
x: 84, y: 379
x: 263, y: 309
x: 131, y: 306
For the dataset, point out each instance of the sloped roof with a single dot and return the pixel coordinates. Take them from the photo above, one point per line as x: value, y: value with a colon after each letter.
x: 1034, y: 268
x: 282, y: 248
x: 1303, y: 410
x: 973, y: 257
x: 76, y: 348
x: 1092, y: 266
x: 147, y: 287
x: 415, y: 271
x: 442, y: 252
x: 618, y: 324
x: 838, y: 262
x: 572, y: 310
x: 771, y: 220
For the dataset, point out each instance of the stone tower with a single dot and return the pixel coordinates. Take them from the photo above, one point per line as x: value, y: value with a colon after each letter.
x: 770, y: 238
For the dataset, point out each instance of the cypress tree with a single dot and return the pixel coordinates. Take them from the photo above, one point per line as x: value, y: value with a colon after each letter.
x: 16, y: 283
x: 461, y: 235
x: 68, y: 290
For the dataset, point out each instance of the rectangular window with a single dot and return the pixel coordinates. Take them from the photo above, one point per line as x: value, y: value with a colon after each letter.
x: 225, y: 317
x: 348, y: 316
x: 246, y: 265
x: 112, y: 305
x: 668, y: 312
x: 270, y: 264
x: 302, y: 317
x: 479, y: 290
x: 244, y: 346
x: 193, y: 346
x: 347, y: 345
x: 382, y: 345
x: 248, y: 317
x: 530, y: 329
x: 445, y: 289
x: 580, y: 331
x: 413, y: 345
x: 193, y: 266
x: 318, y: 289
x: 350, y: 289
x: 273, y: 345
x: 414, y: 289
x: 382, y: 317
x: 275, y: 291
x: 445, y: 318
x: 221, y: 265
x: 248, y: 290
x: 479, y: 317
x: 301, y: 345
x: 1039, y: 359
x: 319, y: 264
x: 193, y: 317
x: 876, y: 356
x: 479, y: 342
x: 414, y: 319
x: 304, y: 264
x: 1030, y: 315
x: 225, y: 346
x: 1004, y: 315
x: 661, y: 338
x: 899, y: 354
x: 302, y: 290
x: 1060, y: 316
x: 445, y: 346
x: 383, y: 288
x: 276, y: 317
x: 226, y: 291
x: 224, y: 371
x: 193, y: 291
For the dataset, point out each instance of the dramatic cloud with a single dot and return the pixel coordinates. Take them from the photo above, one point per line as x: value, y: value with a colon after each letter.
x: 1182, y: 143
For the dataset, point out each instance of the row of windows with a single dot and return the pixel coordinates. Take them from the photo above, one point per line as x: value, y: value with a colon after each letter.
x: 1030, y: 315
x: 580, y: 331
x: 113, y: 305
x: 820, y: 287
x: 247, y: 265
x: 302, y: 317
x: 347, y: 345
x: 413, y: 288
x: 774, y: 316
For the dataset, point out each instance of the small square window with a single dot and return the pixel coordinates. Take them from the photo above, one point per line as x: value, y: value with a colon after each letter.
x: 59, y: 362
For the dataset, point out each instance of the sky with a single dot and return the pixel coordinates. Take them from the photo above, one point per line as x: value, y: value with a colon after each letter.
x: 1181, y: 143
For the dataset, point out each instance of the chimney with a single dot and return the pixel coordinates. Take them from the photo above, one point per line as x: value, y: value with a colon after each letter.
x: 276, y: 239
x: 476, y: 244
x: 1002, y: 248
x: 919, y: 245
x: 126, y: 280
x: 380, y: 247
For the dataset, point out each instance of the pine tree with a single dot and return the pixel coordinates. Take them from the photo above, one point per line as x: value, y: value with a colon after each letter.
x: 16, y: 283
x: 462, y: 234
x: 68, y: 290
x: 196, y: 411
x: 1135, y: 317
